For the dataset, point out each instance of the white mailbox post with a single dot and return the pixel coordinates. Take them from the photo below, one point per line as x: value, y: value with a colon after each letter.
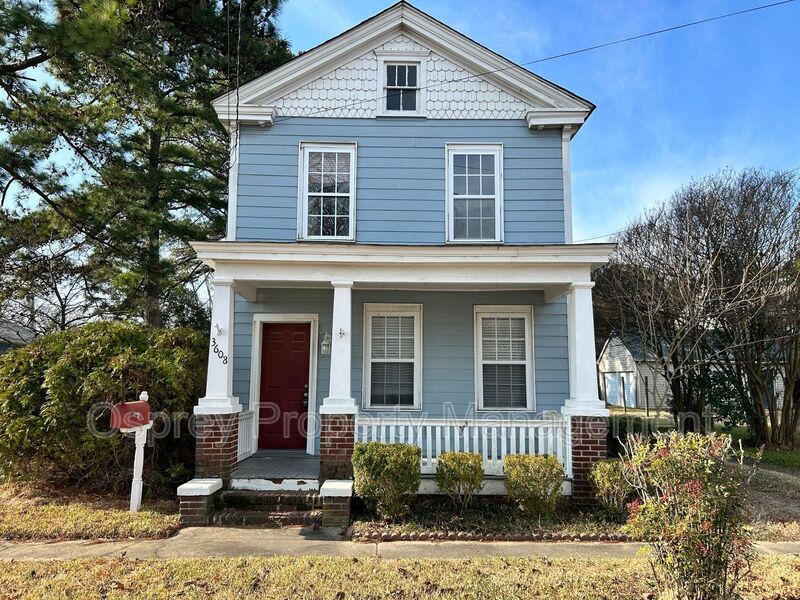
x: 134, y: 417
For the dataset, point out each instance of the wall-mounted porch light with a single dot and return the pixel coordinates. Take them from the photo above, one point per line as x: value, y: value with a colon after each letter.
x: 325, y: 346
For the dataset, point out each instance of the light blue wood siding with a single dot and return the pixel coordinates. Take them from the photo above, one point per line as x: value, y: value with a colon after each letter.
x: 448, y: 343
x: 400, y: 187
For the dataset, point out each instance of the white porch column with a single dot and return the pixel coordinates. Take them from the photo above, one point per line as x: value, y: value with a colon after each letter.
x: 340, y: 398
x: 583, y: 398
x: 219, y: 398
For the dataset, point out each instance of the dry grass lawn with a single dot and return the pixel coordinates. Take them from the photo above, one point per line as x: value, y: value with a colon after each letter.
x: 292, y: 577
x: 28, y: 512
x: 775, y: 504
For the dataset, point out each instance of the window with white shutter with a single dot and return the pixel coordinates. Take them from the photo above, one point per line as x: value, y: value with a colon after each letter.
x: 392, y: 356
x: 504, y: 357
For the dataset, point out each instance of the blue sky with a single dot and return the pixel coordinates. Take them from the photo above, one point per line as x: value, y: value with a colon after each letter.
x: 669, y: 108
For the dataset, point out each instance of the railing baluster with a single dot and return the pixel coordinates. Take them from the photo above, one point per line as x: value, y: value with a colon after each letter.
x: 513, y: 436
x: 429, y: 446
x: 560, y: 445
x: 484, y: 445
x: 438, y: 441
x: 550, y: 441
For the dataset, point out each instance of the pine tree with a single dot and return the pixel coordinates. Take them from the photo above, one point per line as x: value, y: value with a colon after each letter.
x: 110, y: 132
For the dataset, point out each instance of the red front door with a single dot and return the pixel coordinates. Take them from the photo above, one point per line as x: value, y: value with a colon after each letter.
x: 283, y: 408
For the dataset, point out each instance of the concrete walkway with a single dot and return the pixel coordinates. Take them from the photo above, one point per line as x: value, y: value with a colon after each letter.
x: 202, y: 542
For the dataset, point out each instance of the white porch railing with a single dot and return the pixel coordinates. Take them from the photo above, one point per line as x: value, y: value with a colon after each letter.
x: 493, y: 439
x: 246, y: 440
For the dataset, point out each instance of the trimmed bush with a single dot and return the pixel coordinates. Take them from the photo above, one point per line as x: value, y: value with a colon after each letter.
x: 611, y: 486
x: 459, y: 475
x: 534, y: 482
x: 692, y: 499
x: 386, y: 476
x: 49, y: 387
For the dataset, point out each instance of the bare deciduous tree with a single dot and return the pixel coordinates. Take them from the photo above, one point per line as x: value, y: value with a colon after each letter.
x: 706, y: 282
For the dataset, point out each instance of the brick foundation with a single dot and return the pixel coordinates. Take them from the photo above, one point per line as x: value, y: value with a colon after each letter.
x: 589, y: 444
x: 337, y: 436
x: 197, y: 510
x: 335, y: 512
x: 216, y: 445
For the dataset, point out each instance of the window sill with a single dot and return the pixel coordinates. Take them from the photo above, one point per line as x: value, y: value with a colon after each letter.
x: 475, y: 242
x: 400, y: 115
x: 324, y: 240
x: 391, y: 408
x: 505, y: 410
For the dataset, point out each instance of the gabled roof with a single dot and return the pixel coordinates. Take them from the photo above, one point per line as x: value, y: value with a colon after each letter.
x: 553, y: 105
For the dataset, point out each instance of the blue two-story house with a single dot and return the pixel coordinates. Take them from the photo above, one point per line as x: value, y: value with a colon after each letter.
x: 399, y: 263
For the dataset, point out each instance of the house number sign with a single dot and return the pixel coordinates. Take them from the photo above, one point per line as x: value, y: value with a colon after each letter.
x: 218, y: 351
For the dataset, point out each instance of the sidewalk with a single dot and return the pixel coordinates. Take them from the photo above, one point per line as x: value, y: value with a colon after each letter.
x: 201, y: 542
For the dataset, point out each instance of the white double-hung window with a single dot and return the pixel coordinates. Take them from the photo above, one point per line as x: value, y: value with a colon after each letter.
x: 327, y: 191
x: 504, y: 357
x: 392, y: 356
x: 474, y: 193
x: 401, y: 83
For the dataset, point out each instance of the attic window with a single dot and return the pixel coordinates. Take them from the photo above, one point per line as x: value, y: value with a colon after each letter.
x: 402, y: 87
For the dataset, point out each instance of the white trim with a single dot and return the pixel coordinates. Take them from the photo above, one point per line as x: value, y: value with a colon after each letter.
x: 402, y: 18
x: 372, y: 309
x: 497, y: 151
x: 336, y: 488
x: 376, y: 253
x: 544, y: 118
x: 302, y: 193
x: 259, y: 319
x: 249, y: 114
x: 407, y: 57
x: 504, y: 310
x: 566, y: 171
x: 202, y: 486
x: 233, y: 181
x: 270, y: 485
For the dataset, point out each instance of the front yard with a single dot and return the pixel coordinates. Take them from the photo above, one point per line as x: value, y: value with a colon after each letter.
x: 33, y: 512
x: 774, y: 507
x: 291, y: 577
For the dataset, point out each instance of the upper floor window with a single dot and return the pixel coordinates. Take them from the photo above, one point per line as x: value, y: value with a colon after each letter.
x: 401, y: 87
x: 327, y: 191
x: 401, y: 83
x: 475, y: 193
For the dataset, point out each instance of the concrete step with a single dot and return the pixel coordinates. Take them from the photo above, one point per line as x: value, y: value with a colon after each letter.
x: 238, y: 518
x: 255, y: 501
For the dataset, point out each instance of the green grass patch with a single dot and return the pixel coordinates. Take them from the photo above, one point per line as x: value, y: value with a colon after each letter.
x: 786, y: 459
x: 373, y: 577
x: 29, y: 512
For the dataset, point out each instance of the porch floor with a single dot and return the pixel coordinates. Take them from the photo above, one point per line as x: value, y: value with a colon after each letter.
x: 278, y: 464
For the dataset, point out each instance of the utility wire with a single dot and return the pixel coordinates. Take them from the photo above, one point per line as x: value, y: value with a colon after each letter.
x: 561, y: 55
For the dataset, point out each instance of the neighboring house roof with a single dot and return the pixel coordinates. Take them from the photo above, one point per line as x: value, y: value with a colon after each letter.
x: 632, y: 342
x: 549, y: 105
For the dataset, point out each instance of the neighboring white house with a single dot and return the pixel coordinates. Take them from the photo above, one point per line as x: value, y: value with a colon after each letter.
x: 626, y: 378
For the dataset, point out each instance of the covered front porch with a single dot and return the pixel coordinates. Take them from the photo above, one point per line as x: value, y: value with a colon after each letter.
x: 332, y: 287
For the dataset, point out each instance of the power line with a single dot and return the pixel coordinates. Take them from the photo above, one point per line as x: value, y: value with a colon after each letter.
x: 562, y: 54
